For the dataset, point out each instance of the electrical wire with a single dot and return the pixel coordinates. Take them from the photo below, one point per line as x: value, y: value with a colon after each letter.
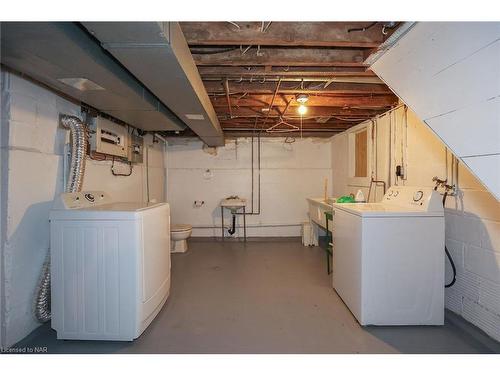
x: 213, y: 52
x: 362, y: 28
x: 234, y: 24
x: 121, y: 174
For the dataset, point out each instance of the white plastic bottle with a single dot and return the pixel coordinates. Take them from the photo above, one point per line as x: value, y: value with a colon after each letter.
x: 360, y: 197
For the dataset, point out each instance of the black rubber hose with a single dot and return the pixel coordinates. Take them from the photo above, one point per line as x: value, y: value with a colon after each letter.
x: 452, y: 266
x: 448, y: 255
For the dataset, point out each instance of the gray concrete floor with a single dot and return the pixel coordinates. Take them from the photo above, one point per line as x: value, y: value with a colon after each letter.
x: 262, y: 297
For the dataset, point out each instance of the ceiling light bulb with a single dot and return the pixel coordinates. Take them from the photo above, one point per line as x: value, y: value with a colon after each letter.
x: 302, y: 109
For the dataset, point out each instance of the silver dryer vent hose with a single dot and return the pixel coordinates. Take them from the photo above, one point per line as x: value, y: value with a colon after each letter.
x: 78, y: 152
x: 75, y: 181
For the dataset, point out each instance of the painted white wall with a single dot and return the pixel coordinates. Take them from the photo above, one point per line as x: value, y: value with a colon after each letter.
x: 472, y: 218
x: 32, y: 148
x: 447, y: 72
x: 289, y: 174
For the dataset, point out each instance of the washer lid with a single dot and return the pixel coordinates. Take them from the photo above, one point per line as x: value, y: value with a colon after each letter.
x: 110, y: 211
x: 180, y: 227
x: 384, y: 210
x: 122, y: 206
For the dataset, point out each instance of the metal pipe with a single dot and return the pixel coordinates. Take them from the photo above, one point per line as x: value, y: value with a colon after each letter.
x: 74, y: 184
x: 252, y: 171
x: 233, y: 228
x: 238, y: 226
x: 258, y: 166
x: 226, y: 88
x: 272, y: 102
x: 258, y: 181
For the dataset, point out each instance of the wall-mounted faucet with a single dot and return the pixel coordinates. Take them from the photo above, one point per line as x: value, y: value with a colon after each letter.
x: 449, y: 189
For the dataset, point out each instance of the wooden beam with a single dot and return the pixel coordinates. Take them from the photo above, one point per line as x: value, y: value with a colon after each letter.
x: 323, y: 101
x: 217, y: 72
x: 272, y: 100
x: 213, y: 74
x: 238, y: 88
x: 288, y: 102
x: 284, y: 57
x: 252, y: 112
x: 305, y: 34
x: 305, y: 126
x: 308, y: 134
x: 226, y: 88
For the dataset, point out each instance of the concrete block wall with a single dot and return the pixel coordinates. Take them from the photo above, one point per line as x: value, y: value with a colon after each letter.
x: 289, y: 174
x: 472, y: 217
x: 32, y: 147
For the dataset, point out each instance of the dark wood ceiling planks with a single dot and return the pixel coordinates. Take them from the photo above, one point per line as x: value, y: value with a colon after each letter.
x: 253, y: 71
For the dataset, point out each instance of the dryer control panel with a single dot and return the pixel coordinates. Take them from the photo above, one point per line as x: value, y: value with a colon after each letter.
x: 82, y: 199
x: 422, y: 198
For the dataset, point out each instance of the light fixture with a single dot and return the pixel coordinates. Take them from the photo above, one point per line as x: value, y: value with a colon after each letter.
x: 82, y: 84
x: 302, y: 109
x: 194, y: 116
x: 302, y: 99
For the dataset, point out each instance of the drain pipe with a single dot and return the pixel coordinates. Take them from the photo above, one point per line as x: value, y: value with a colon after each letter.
x: 74, y: 184
x: 232, y: 230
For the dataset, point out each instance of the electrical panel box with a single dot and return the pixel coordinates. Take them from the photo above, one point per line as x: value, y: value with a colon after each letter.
x: 107, y: 137
x: 136, y: 149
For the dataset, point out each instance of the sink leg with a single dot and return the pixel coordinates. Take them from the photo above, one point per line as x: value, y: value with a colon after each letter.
x: 222, y: 222
x: 244, y: 224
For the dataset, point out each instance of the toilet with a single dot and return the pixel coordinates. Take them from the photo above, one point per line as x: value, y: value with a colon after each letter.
x: 179, y: 233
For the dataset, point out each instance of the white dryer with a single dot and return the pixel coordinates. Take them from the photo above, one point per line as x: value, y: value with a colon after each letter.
x: 110, y: 266
x: 388, y: 258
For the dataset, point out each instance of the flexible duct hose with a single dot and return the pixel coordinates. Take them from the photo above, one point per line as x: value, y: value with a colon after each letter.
x: 78, y: 152
x: 75, y: 181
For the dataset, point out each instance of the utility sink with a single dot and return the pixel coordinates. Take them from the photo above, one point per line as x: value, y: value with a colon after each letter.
x: 233, y: 203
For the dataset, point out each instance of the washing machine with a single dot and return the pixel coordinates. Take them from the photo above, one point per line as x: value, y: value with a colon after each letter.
x: 110, y: 266
x: 388, y: 258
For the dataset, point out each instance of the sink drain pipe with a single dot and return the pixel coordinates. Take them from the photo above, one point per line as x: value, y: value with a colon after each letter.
x: 77, y: 170
x: 233, y: 228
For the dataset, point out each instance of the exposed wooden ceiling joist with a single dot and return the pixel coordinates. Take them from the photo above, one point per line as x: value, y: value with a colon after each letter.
x: 252, y: 112
x: 322, y: 101
x: 305, y: 125
x: 306, y: 78
x: 245, y: 66
x: 324, y: 34
x: 216, y: 87
x: 282, y: 57
x: 210, y: 71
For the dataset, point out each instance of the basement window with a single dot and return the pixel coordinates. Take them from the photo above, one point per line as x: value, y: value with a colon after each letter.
x: 359, y: 151
x: 360, y: 154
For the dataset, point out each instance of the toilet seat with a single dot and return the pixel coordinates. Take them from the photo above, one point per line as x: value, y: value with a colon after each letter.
x: 180, y: 227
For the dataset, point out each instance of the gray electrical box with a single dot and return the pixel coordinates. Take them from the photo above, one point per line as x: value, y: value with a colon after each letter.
x: 136, y: 149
